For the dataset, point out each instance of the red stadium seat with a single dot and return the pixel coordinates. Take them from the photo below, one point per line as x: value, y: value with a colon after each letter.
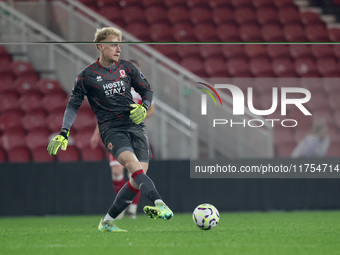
x: 178, y: 14
x: 263, y: 3
x: 26, y: 84
x: 40, y: 154
x: 168, y: 50
x: 294, y: 33
x: 184, y: 32
x: 228, y: 33
x: 113, y: 14
x: 334, y: 34
x: 6, y: 82
x: 30, y: 102
x: 206, y: 32
x: 216, y: 67
x: 223, y: 15
x: 255, y: 51
x: 198, y: 3
x: 284, y: 67
x: 106, y: 3
x: 129, y: 3
x: 322, y: 51
x: 156, y: 14
x: 316, y: 33
x: 242, y: 3
x: 194, y: 65
x: 9, y: 100
x: 37, y: 137
x: 151, y: 3
x: 319, y: 101
x: 215, y: 4
x: 261, y: 67
x: 89, y: 154
x: 13, y: 138
x: 331, y: 85
x: 233, y: 51
x: 300, y: 50
x: 267, y: 15
x: 210, y: 50
x: 49, y: 86
x: 71, y: 155
x: 250, y: 33
x: 20, y: 68
x: 289, y: 16
x: 84, y: 119
x: 55, y: 120
x: 200, y: 15
x: 161, y: 32
x: 34, y: 119
x: 285, y: 3
x: 133, y: 14
x: 172, y: 3
x: 244, y: 15
x: 328, y: 67
x: 83, y: 137
x: 309, y: 17
x: 239, y: 67
x: 306, y: 67
x: 19, y: 154
x: 188, y: 50
x: 140, y: 30
x: 55, y: 101
x: 5, y: 63
x: 10, y: 119
x: 272, y: 33
x: 3, y: 156
x: 277, y: 50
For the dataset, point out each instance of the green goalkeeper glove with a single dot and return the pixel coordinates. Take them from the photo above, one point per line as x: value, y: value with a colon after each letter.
x: 58, y: 141
x: 138, y: 114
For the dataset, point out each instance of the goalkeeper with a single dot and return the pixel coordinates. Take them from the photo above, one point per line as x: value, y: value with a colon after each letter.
x: 107, y: 84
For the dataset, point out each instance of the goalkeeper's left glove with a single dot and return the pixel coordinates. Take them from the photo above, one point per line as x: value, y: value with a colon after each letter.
x: 58, y: 141
x: 138, y: 114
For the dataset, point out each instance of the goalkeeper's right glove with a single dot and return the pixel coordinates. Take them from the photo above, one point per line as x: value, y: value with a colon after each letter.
x: 58, y: 141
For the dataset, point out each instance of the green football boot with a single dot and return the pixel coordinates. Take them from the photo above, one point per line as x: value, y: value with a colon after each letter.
x: 109, y: 226
x: 159, y: 211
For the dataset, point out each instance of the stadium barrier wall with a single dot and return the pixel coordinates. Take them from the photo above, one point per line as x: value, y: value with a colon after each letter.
x: 85, y: 188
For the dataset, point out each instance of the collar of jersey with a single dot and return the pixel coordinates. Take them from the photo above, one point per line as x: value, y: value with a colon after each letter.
x: 109, y: 68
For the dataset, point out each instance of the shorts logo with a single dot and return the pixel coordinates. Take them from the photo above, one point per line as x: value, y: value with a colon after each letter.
x: 110, y: 146
x: 122, y: 73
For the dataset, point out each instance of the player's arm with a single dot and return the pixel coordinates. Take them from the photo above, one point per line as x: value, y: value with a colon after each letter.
x: 76, y: 98
x: 143, y: 88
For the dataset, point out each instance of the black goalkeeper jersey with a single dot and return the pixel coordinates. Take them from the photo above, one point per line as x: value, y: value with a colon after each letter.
x: 109, y: 92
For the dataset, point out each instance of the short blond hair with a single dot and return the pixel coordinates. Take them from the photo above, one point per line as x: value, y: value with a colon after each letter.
x: 103, y: 33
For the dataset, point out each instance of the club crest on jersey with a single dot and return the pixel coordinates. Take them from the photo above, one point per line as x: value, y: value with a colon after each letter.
x: 122, y: 73
x: 141, y: 75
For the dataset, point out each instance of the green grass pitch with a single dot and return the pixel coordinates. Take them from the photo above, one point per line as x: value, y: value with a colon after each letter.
x: 237, y: 233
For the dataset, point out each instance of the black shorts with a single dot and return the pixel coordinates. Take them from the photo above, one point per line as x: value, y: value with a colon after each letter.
x: 131, y: 138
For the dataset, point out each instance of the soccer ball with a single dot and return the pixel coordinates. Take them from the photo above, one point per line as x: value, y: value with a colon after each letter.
x: 206, y: 216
